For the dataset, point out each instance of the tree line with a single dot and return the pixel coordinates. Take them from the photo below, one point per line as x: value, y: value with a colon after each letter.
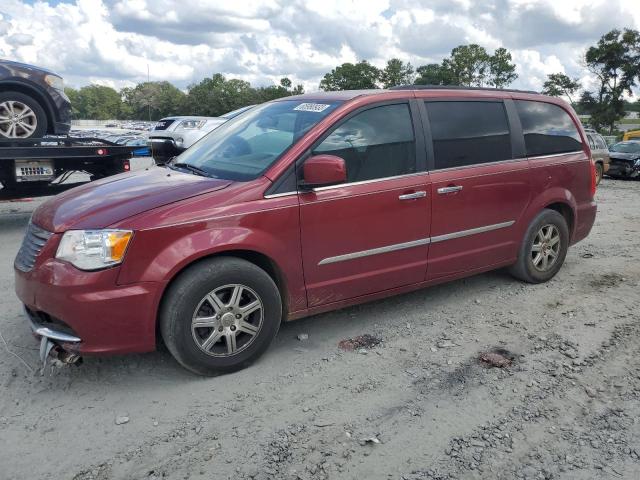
x: 614, y: 62
x: 211, y: 97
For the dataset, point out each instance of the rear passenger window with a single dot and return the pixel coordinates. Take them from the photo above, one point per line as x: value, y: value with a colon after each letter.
x: 468, y: 133
x: 376, y: 143
x: 547, y: 128
x: 592, y: 144
x: 601, y: 143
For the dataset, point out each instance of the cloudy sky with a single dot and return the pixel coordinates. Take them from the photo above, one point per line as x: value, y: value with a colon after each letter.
x: 111, y: 42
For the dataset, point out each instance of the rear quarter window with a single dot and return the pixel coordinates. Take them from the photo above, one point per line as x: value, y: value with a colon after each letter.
x: 548, y: 129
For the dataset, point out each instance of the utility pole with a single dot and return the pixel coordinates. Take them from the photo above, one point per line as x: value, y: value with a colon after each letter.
x: 148, y: 89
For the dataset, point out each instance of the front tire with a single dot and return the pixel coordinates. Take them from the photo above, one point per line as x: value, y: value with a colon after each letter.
x: 543, y: 249
x: 21, y: 116
x: 220, y: 315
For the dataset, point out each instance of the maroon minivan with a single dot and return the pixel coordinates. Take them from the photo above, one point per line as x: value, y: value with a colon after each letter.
x: 304, y: 205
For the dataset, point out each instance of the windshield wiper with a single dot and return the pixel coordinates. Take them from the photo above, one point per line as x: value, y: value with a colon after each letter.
x: 191, y: 168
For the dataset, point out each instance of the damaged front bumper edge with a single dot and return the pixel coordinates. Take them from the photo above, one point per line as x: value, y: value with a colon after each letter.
x: 50, y: 340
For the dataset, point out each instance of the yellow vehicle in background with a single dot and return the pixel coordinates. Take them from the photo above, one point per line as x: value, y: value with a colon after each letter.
x: 631, y: 135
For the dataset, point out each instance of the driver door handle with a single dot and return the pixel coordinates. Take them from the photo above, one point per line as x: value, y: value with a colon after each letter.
x: 413, y: 196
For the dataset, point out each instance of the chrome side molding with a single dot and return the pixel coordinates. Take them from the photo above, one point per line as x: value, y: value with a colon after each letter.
x: 415, y: 243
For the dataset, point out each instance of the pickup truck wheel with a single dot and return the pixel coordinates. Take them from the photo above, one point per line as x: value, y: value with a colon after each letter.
x: 220, y: 315
x: 599, y: 172
x: 21, y: 116
x: 543, y: 249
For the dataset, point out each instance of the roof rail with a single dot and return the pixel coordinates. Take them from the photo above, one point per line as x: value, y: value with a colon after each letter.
x: 457, y: 87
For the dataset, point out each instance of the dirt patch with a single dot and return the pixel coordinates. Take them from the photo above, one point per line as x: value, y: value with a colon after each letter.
x: 607, y: 280
x: 497, y: 357
x: 362, y: 341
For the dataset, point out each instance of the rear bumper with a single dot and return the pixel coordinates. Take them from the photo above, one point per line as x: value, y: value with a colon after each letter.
x: 586, y: 217
x: 87, y: 312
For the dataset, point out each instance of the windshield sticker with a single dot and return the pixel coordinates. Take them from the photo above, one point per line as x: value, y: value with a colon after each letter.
x: 312, y: 107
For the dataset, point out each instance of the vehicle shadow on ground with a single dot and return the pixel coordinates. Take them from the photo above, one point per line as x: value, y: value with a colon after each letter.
x: 324, y: 332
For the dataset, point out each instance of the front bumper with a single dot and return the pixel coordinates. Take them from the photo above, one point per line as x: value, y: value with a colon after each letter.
x: 624, y: 168
x: 87, y: 312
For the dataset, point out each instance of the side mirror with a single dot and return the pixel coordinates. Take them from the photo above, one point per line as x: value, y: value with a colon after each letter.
x: 323, y: 170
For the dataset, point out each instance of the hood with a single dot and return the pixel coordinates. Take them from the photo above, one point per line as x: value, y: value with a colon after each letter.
x: 624, y: 156
x: 110, y: 200
x: 26, y: 66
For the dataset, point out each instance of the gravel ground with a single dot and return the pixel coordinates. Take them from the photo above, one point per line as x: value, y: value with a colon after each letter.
x: 418, y: 405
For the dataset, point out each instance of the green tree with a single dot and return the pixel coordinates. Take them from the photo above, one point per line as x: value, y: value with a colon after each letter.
x: 559, y: 84
x: 153, y: 100
x: 501, y: 71
x: 95, y: 102
x: 396, y: 72
x: 285, y: 89
x: 349, y: 76
x: 433, y: 74
x: 615, y: 62
x: 216, y: 95
x: 470, y: 66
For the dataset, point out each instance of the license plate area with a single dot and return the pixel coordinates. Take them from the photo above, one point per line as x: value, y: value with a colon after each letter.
x: 34, y: 170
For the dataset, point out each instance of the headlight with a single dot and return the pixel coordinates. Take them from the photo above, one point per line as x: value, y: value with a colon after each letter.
x: 192, y: 124
x: 94, y: 249
x: 55, y: 81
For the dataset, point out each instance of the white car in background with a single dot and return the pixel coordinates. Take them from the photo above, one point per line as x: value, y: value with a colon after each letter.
x: 173, y: 135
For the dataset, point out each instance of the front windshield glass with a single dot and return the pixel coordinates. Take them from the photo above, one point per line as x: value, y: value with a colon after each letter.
x: 630, y: 147
x: 244, y: 147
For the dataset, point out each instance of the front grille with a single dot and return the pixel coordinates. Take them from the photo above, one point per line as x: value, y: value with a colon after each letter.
x: 32, y: 244
x: 163, y: 124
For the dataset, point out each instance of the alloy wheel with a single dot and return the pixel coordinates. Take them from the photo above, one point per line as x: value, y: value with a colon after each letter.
x: 17, y: 120
x: 227, y: 320
x: 546, y: 248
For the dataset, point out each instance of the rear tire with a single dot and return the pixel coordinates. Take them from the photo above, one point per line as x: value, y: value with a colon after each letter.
x: 32, y: 117
x: 599, y: 172
x: 543, y: 249
x: 220, y: 315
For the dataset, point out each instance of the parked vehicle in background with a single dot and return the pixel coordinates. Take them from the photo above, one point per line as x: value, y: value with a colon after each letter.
x: 303, y: 205
x: 625, y: 159
x: 32, y: 102
x: 631, y: 135
x: 599, y: 152
x: 173, y: 135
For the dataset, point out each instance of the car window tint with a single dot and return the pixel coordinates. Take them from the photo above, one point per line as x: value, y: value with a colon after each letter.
x: 376, y: 143
x: 547, y: 128
x: 468, y: 133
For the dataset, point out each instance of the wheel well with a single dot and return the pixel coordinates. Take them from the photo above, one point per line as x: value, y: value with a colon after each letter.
x: 37, y: 96
x: 258, y: 259
x: 566, y: 211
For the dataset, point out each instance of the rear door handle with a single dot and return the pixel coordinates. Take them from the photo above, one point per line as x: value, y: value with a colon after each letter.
x: 450, y: 189
x: 413, y: 196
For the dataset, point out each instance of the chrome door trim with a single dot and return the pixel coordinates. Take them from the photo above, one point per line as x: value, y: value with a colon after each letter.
x: 471, y: 231
x: 364, y: 182
x: 374, y: 251
x: 415, y: 243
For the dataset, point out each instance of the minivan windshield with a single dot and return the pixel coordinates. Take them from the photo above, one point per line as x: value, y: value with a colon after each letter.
x: 626, y: 147
x: 244, y: 147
